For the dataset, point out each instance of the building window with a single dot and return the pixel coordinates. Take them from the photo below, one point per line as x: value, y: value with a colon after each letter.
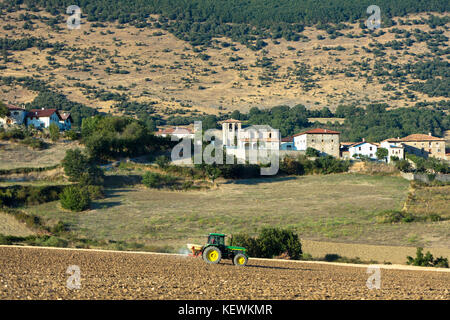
x: 370, y: 148
x: 359, y: 148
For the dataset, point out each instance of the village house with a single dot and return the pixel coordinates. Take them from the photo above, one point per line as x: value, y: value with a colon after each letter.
x: 241, y: 142
x: 394, y: 147
x: 343, y: 148
x: 287, y: 143
x: 323, y: 140
x: 43, y: 118
x: 39, y: 118
x: 16, y: 116
x: 424, y: 145
x: 66, y: 120
x: 363, y: 148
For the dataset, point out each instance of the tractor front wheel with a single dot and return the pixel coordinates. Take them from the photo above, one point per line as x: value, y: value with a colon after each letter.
x: 212, y: 255
x: 240, y: 260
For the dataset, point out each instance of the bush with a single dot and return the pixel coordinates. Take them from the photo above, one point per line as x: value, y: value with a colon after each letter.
x: 30, y: 195
x: 54, y: 242
x: 156, y: 180
x: 311, y: 152
x: 395, y: 216
x: 75, y: 198
x: 162, y: 161
x: 292, y: 167
x: 79, y: 169
x: 426, y: 260
x: 95, y: 192
x: 54, y: 131
x: 34, y: 143
x: 72, y: 135
x: 403, y: 165
x: 271, y: 242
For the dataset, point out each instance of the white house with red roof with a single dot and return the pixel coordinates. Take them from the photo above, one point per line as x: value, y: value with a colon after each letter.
x: 363, y: 148
x: 43, y: 118
x: 16, y: 116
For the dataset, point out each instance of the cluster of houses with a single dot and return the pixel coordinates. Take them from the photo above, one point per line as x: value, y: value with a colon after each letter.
x: 39, y: 118
x: 238, y: 140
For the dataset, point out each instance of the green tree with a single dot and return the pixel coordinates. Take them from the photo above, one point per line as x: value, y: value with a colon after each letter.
x: 54, y: 131
x: 403, y: 165
x: 4, y: 111
x: 79, y: 169
x: 382, y: 153
x: 75, y: 198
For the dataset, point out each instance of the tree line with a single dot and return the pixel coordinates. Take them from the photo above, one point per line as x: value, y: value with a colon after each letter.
x: 198, y: 21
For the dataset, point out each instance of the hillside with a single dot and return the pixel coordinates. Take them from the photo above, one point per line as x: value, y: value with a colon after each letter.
x: 146, y: 68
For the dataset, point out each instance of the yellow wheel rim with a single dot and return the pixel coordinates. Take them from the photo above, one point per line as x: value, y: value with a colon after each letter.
x: 213, y: 256
x: 241, y: 260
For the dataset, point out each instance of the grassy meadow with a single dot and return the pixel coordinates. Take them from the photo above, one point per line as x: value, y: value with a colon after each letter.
x: 337, y: 207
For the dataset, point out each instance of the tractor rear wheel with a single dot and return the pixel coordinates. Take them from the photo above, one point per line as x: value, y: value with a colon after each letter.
x: 240, y: 260
x: 212, y: 255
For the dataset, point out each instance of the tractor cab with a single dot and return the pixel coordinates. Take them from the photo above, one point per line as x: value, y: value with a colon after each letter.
x: 216, y: 239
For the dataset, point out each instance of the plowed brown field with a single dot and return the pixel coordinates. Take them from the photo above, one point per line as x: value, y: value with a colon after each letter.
x: 39, y: 273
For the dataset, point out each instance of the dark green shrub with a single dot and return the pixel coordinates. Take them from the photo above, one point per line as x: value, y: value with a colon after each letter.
x: 75, y: 198
x: 331, y: 257
x: 14, y: 196
x: 291, y: 166
x: 156, y: 180
x: 403, y: 165
x: 248, y: 242
x: 60, y: 227
x: 311, y: 152
x: 54, y: 131
x: 426, y: 260
x: 95, y: 192
x: 53, y: 241
x: 162, y: 161
x: 271, y: 242
x: 79, y: 169
x: 72, y: 135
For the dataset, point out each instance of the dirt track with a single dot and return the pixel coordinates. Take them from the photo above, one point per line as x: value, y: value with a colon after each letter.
x: 36, y: 273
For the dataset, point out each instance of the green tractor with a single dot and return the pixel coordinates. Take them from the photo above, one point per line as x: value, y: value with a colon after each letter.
x: 216, y: 250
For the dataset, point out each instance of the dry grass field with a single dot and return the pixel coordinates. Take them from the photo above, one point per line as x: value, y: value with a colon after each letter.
x: 15, y: 155
x: 336, y: 208
x: 38, y: 273
x: 10, y: 226
x: 424, y: 200
x: 167, y: 71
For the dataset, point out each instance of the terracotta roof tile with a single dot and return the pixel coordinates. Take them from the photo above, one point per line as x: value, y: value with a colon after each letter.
x: 317, y: 131
x: 421, y: 137
x: 39, y: 113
